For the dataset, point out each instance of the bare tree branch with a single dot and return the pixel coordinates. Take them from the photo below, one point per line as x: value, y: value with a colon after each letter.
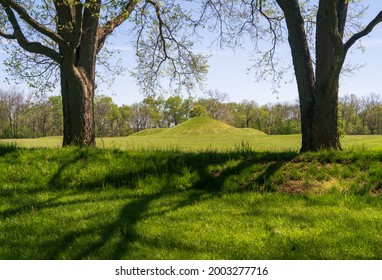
x: 109, y: 26
x: 33, y: 47
x: 161, y: 24
x: 364, y: 32
x: 7, y: 36
x: 32, y: 22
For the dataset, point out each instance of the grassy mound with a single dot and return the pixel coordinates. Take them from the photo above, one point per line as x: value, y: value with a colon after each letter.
x: 206, y: 126
x: 199, y: 126
x: 149, y: 132
x: 253, y: 131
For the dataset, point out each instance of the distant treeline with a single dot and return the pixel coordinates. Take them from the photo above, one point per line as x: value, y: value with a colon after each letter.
x: 29, y: 117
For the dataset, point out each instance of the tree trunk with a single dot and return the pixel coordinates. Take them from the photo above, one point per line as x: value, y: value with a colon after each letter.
x: 326, y: 113
x: 78, y: 110
x: 78, y: 82
x: 77, y: 90
x: 318, y: 92
x: 329, y: 61
x: 303, y: 67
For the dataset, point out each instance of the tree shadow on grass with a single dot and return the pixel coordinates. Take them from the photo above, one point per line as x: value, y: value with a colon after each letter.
x: 55, y: 183
x: 6, y: 148
x: 117, y: 237
x: 134, y: 212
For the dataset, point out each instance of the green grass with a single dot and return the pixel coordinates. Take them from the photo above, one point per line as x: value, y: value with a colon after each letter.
x: 195, y: 143
x: 160, y: 204
x: 149, y: 132
x: 202, y: 190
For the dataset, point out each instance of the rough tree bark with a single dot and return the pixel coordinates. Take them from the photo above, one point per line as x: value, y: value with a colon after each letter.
x: 303, y: 67
x: 331, y: 18
x: 78, y: 73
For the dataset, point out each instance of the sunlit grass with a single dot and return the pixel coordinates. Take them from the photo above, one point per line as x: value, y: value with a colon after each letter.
x: 204, y: 142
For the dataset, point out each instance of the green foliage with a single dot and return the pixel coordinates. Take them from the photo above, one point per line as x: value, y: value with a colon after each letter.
x: 198, y: 111
x: 341, y: 125
x: 106, y: 116
x: 35, y: 117
x: 174, y: 111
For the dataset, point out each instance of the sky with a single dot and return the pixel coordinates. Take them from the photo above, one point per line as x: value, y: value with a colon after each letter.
x: 228, y: 72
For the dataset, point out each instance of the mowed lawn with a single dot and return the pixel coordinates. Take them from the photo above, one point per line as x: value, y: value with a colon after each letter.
x: 191, y: 197
x: 261, y: 143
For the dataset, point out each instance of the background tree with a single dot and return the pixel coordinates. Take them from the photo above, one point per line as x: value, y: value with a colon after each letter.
x: 372, y: 112
x: 70, y: 34
x: 214, y: 103
x: 140, y: 117
x: 260, y: 119
x: 55, y: 103
x: 284, y: 119
x: 123, y: 123
x: 242, y: 114
x: 12, y: 105
x: 197, y: 111
x: 187, y: 105
x: 349, y: 108
x: 105, y: 114
x: 156, y: 109
x: 236, y: 114
x: 39, y: 116
x: 3, y: 114
x: 249, y: 111
x: 174, y: 111
x: 43, y: 116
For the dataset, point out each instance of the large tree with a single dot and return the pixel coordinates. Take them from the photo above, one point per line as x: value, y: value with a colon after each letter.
x: 318, y: 90
x: 70, y: 34
x: 317, y: 78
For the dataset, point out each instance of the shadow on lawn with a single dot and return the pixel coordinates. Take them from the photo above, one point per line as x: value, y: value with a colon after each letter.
x: 121, y: 234
x: 116, y: 238
x: 6, y: 148
x: 134, y: 212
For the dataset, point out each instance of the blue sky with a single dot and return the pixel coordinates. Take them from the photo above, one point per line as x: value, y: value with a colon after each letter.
x: 228, y: 72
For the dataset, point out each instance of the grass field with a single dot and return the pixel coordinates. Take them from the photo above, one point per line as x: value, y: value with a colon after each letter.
x: 244, y: 198
x: 197, y: 143
x: 202, y: 134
